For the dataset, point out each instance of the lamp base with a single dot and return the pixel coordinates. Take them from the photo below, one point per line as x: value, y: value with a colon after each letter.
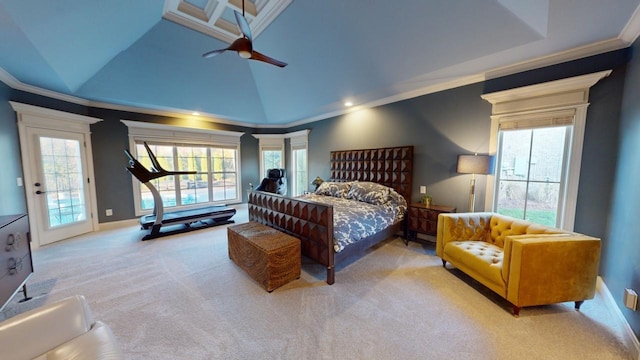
x: 472, y: 193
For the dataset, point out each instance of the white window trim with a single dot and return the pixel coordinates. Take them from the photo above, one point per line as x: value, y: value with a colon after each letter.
x: 270, y: 142
x: 559, y: 97
x: 299, y: 140
x: 144, y: 131
x: 44, y: 118
x: 276, y: 141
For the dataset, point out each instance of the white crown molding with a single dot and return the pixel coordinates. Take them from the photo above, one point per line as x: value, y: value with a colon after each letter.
x: 6, y: 78
x: 569, y: 55
x: 631, y: 31
x: 558, y: 58
x: 14, y: 83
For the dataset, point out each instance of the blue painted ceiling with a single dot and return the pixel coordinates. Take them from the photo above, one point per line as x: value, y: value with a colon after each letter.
x: 123, y: 53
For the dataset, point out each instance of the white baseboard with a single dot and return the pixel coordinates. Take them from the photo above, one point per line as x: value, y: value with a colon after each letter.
x: 118, y: 224
x: 630, y: 339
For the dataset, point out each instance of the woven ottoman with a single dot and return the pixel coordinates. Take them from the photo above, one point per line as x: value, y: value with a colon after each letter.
x: 269, y: 256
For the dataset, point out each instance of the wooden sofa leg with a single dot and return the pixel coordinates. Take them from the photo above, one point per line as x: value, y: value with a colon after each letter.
x: 578, y: 304
x: 516, y: 311
x: 444, y: 263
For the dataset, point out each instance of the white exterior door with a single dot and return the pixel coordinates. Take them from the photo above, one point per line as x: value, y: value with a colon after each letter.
x: 59, y: 184
x: 58, y: 172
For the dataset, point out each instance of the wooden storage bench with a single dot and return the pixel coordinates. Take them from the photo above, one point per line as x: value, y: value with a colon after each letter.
x: 269, y: 256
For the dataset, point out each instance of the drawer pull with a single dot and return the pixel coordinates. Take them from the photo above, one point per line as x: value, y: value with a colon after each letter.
x: 15, y: 265
x: 13, y: 241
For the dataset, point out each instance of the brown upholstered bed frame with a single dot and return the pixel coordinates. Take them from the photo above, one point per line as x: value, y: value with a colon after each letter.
x: 312, y: 222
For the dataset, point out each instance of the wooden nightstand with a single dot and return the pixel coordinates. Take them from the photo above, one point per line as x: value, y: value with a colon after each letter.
x: 423, y: 219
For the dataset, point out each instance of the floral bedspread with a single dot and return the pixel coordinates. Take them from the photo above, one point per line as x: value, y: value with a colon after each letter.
x: 355, y: 220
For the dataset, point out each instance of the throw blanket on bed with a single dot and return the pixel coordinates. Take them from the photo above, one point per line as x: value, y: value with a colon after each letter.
x: 359, y: 214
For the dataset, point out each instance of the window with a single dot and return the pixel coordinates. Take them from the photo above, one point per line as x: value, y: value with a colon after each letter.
x: 537, y: 133
x: 272, y: 157
x: 271, y: 152
x: 212, y: 154
x: 299, y: 159
x: 214, y: 180
x: 531, y: 173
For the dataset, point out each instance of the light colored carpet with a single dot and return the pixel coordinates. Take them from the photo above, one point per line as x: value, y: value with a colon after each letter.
x: 180, y: 297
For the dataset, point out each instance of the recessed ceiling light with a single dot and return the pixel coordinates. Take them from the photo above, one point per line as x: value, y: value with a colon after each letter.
x: 195, y: 113
x: 348, y: 104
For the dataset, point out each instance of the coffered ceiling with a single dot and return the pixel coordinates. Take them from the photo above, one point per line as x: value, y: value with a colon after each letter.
x: 216, y: 18
x: 146, y: 55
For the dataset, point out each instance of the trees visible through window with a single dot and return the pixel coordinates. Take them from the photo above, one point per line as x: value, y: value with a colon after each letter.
x: 531, y: 173
x: 215, y: 179
x: 272, y: 159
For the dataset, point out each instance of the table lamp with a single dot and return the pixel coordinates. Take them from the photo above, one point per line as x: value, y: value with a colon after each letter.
x: 474, y: 164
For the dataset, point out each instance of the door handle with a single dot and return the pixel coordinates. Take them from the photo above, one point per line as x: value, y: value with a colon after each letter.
x: 37, y: 184
x: 40, y: 192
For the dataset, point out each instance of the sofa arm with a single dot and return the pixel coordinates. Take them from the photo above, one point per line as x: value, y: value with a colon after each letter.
x: 45, y: 327
x: 551, y: 268
x: 461, y: 226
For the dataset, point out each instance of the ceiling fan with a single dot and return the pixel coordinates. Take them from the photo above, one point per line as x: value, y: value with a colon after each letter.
x: 244, y: 46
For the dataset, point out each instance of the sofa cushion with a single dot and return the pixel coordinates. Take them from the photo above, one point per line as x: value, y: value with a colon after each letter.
x: 484, y: 258
x: 473, y: 226
x: 503, y: 226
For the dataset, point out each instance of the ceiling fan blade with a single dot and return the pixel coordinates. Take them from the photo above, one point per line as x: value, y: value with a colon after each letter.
x: 243, y: 25
x: 261, y: 57
x: 213, y: 53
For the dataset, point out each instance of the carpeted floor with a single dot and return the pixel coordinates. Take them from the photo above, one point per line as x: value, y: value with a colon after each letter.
x: 180, y: 297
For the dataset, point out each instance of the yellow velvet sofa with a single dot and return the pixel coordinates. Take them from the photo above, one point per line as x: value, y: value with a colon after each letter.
x: 525, y: 263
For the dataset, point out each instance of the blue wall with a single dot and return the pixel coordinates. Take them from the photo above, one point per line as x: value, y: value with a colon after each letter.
x: 622, y: 254
x: 440, y: 126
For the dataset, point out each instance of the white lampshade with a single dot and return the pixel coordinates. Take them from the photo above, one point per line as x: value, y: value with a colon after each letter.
x: 475, y: 164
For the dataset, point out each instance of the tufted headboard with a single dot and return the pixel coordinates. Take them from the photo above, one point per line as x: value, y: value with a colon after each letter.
x: 392, y: 167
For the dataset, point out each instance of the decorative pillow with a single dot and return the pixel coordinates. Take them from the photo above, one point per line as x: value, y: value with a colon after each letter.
x: 335, y: 189
x: 398, y: 201
x: 369, y: 192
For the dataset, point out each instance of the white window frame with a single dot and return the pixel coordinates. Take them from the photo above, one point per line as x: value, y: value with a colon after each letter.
x: 275, y: 142
x: 269, y: 142
x: 546, y: 102
x: 173, y: 134
x: 299, y: 141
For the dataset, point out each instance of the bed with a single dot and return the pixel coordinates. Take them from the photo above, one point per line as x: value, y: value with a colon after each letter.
x: 312, y: 220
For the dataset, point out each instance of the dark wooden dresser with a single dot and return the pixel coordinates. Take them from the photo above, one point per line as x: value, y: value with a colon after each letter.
x: 15, y: 256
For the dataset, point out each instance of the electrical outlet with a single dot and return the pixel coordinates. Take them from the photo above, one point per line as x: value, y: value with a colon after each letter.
x: 423, y: 189
x: 109, y: 212
x: 630, y: 299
